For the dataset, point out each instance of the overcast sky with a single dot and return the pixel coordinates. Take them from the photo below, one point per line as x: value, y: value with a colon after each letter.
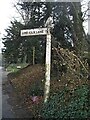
x: 7, y: 12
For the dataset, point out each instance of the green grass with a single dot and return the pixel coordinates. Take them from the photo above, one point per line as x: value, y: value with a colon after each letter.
x: 13, y: 67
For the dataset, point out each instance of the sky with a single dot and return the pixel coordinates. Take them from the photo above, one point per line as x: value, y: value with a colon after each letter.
x: 8, y: 13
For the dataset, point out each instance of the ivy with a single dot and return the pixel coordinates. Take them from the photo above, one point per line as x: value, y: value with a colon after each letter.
x: 76, y: 107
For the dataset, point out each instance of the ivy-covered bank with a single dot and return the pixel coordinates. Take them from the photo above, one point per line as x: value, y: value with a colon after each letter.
x: 67, y: 104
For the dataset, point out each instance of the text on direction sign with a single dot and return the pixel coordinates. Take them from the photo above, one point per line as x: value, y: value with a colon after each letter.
x: 31, y: 32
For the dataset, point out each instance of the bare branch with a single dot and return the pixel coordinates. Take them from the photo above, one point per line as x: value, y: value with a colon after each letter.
x: 85, y: 12
x: 19, y: 12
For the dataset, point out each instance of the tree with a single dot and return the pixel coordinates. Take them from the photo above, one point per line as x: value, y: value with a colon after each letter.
x: 67, y: 21
x: 69, y: 39
x: 12, y: 42
x: 80, y: 36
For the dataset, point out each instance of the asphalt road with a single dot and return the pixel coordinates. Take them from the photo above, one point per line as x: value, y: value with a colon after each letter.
x: 0, y: 93
x: 6, y: 108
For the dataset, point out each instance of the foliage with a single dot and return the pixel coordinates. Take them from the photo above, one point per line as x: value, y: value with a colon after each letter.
x: 75, y: 106
x: 12, y: 42
x: 36, y: 89
x: 13, y: 67
x: 67, y: 17
x: 67, y: 64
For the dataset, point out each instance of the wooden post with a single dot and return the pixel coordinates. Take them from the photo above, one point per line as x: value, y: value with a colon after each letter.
x: 48, y: 62
x: 33, y: 55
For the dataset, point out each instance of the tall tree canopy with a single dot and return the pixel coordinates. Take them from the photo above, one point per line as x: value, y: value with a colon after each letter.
x: 68, y: 30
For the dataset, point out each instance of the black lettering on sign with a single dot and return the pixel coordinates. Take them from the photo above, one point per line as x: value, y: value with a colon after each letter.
x: 25, y: 32
x: 41, y: 31
x: 30, y: 32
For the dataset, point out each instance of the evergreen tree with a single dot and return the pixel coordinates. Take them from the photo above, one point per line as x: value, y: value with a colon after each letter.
x: 68, y: 30
x: 12, y: 42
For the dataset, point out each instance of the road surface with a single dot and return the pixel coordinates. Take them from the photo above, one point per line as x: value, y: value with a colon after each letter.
x: 6, y: 107
x: 9, y: 110
x: 0, y: 93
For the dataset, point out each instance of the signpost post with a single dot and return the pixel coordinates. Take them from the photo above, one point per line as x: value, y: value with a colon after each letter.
x: 48, y: 66
x: 43, y: 31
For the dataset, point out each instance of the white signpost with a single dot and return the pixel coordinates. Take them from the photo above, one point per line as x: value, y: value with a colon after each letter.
x: 43, y: 31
